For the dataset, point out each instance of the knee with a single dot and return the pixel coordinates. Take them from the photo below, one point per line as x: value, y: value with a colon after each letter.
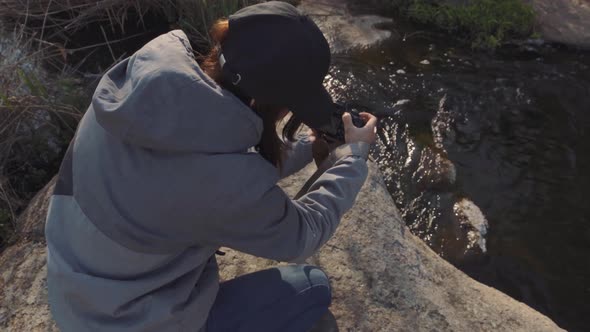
x: 320, y: 285
x: 317, y: 276
x: 311, y: 282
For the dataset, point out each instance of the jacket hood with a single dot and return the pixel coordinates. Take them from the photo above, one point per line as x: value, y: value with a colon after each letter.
x: 160, y: 99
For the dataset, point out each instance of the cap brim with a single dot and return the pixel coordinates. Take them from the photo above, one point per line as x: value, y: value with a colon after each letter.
x: 314, y: 108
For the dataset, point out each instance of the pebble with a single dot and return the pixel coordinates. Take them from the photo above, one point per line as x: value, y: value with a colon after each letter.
x: 425, y: 62
x: 401, y: 71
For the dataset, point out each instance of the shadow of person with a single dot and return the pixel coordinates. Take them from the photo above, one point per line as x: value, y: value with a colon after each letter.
x: 326, y: 324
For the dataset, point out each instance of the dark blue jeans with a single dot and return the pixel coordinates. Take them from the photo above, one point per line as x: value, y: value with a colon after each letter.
x: 286, y: 298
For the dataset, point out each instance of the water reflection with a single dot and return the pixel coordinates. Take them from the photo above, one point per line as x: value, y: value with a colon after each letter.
x: 511, y: 136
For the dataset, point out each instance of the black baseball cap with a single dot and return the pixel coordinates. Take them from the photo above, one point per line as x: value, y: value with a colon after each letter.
x: 277, y: 55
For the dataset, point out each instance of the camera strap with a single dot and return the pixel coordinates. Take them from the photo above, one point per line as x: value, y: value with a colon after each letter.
x: 324, y: 166
x: 338, y: 153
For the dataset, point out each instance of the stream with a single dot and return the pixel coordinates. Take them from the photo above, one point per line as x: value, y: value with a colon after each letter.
x: 486, y: 156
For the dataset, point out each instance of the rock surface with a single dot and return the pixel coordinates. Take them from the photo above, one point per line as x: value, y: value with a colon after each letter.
x: 564, y: 21
x: 342, y: 30
x: 23, y: 293
x: 384, y: 278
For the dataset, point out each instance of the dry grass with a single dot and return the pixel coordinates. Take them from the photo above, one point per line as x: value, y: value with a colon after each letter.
x: 39, y: 111
x: 74, y: 14
x: 48, y: 19
x: 52, y: 24
x: 36, y: 120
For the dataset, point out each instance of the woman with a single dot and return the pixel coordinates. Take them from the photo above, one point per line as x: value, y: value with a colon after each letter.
x: 173, y: 160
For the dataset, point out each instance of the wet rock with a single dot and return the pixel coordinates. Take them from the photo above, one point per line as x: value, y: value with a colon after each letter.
x: 424, y: 62
x: 442, y: 125
x: 435, y: 172
x: 383, y: 277
x: 475, y: 223
x: 422, y: 181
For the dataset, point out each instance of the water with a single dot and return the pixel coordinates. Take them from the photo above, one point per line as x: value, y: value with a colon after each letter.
x: 508, y: 133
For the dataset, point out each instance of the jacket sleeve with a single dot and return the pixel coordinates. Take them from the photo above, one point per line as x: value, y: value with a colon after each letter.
x: 298, y: 156
x: 279, y: 228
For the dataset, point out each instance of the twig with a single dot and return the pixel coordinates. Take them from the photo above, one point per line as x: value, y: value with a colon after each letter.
x: 72, y: 50
x: 137, y: 6
x: 108, y: 44
x: 7, y: 199
x: 8, y: 125
x: 45, y: 20
x: 406, y: 36
x: 76, y: 68
x: 26, y: 15
x: 5, y: 12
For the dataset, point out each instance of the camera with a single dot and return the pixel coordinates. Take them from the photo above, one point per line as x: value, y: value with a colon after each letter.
x: 334, y: 131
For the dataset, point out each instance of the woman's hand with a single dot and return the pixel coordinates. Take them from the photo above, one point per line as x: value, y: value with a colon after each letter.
x: 367, y: 134
x: 321, y: 149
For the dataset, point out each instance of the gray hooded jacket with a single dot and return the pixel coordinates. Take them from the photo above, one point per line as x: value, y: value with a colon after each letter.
x: 158, y: 177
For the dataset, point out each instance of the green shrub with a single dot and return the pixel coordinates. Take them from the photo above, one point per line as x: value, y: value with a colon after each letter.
x: 483, y: 23
x: 486, y: 23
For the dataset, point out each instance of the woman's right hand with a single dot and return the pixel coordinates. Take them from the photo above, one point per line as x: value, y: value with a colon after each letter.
x: 353, y: 134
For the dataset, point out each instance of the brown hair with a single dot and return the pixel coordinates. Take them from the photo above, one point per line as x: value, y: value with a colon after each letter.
x: 271, y: 147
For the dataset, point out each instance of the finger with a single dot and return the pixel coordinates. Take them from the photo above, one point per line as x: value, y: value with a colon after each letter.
x: 366, y: 116
x: 370, y: 119
x: 372, y: 122
x: 347, y: 120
